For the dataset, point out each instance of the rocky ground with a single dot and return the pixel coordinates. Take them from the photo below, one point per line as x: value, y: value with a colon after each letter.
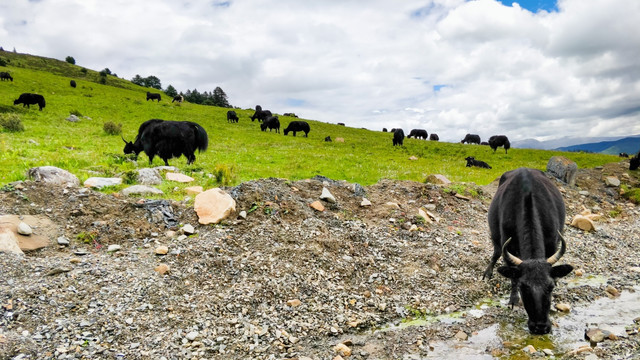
x: 288, y: 281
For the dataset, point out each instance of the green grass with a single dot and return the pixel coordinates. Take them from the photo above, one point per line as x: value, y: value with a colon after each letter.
x: 239, y: 152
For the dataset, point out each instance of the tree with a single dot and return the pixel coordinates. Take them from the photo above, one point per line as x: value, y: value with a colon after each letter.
x: 152, y: 82
x: 138, y: 80
x: 219, y: 98
x: 70, y: 60
x: 171, y: 91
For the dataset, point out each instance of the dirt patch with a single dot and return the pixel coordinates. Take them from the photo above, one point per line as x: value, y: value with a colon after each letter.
x: 352, y: 270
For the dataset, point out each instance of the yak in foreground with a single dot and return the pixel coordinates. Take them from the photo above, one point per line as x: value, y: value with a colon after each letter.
x: 526, y: 218
x: 27, y: 99
x: 168, y: 139
x: 634, y: 162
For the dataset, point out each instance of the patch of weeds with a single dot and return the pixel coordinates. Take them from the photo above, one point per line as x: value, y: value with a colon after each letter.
x: 463, y: 189
x: 630, y: 193
x: 614, y: 213
x: 253, y: 208
x: 8, y: 188
x: 130, y: 177
x: 112, y: 128
x: 224, y: 174
x: 87, y: 237
x: 11, y: 122
x: 76, y: 112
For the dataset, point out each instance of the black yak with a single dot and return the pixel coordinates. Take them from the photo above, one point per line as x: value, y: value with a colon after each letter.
x: 634, y: 162
x: 526, y: 218
x: 398, y: 137
x: 178, y: 98
x: 328, y: 138
x: 153, y: 96
x: 296, y: 126
x: 27, y: 99
x: 471, y: 161
x: 434, y: 137
x: 5, y: 76
x: 168, y: 139
x: 232, y: 117
x: 499, y: 140
x: 260, y: 114
x: 418, y: 134
x: 272, y: 122
x: 471, y: 139
x: 73, y: 84
x: 623, y: 154
x: 384, y: 129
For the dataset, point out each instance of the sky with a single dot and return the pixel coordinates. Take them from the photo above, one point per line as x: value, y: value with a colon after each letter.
x: 534, y: 69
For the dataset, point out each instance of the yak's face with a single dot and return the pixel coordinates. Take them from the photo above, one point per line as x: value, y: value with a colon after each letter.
x: 130, y: 148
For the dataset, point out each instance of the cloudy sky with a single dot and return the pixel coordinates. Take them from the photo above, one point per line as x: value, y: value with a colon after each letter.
x: 535, y: 69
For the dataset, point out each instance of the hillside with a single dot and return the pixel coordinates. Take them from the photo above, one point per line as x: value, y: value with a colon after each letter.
x: 629, y: 145
x: 237, y: 152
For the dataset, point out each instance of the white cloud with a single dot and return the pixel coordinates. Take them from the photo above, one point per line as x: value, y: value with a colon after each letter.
x: 449, y: 66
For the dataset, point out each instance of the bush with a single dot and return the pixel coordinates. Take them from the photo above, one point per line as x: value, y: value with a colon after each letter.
x: 3, y: 62
x: 76, y: 113
x: 111, y: 128
x: 11, y: 122
x: 224, y: 174
x: 70, y: 60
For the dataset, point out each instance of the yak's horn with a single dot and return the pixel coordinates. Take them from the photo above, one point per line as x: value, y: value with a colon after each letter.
x: 125, y: 141
x: 555, y: 257
x: 508, y: 257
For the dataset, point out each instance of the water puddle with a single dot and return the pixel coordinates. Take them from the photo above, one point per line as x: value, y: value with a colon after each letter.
x: 507, y: 340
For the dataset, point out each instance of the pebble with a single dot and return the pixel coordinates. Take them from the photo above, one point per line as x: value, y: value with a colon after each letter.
x: 529, y: 349
x: 113, y: 248
x: 161, y: 269
x: 24, y: 229
x: 294, y: 303
x: 162, y: 250
x: 317, y: 205
x: 188, y: 229
x: 461, y: 335
x: 343, y: 350
x: 563, y: 307
x: 63, y: 241
x: 365, y: 202
x: 243, y: 214
x: 327, y: 196
x: 192, y: 335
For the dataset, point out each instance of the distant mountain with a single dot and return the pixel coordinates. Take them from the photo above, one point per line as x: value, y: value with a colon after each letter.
x: 630, y: 145
x: 563, y: 142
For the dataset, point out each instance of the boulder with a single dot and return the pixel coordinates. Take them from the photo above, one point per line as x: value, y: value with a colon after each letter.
x: 563, y: 169
x: 149, y: 176
x: 438, y: 179
x: 53, y: 175
x: 100, y: 182
x: 611, y: 181
x: 583, y: 222
x: 213, y: 205
x: 141, y: 189
x: 9, y: 242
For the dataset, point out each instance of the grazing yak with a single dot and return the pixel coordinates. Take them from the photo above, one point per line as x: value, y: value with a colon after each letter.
x: 168, y: 139
x: 5, y: 76
x: 272, y: 122
x: 327, y: 139
x: 260, y: 114
x: 471, y: 161
x: 27, y: 99
x: 499, y: 140
x: 384, y: 129
x: 484, y: 143
x: 296, y: 126
x: 290, y: 114
x: 434, y: 137
x: 73, y: 84
x: 153, y: 96
x: 178, y: 98
x: 526, y: 218
x: 342, y: 124
x: 232, y: 117
x: 471, y: 139
x: 398, y: 137
x: 623, y: 154
x: 634, y: 162
x: 418, y: 134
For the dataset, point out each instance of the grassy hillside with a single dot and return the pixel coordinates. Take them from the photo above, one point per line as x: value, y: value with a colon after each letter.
x: 237, y: 152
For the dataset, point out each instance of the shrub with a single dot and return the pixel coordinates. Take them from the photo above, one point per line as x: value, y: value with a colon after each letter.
x: 11, y: 122
x: 70, y: 60
x: 3, y: 62
x: 224, y: 174
x: 76, y: 113
x: 111, y: 128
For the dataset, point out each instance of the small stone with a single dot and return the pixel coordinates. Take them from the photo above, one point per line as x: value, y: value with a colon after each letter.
x: 162, y: 250
x: 391, y: 204
x: 413, y: 158
x: 611, y: 181
x: 192, y: 335
x: 141, y: 190
x: 113, y: 248
x: 63, y: 241
x: 413, y: 227
x: 583, y: 222
x: 365, y: 202
x: 342, y: 350
x: 595, y: 335
x: 529, y: 349
x: 563, y: 307
x: 423, y: 214
x: 438, y: 179
x: 611, y: 291
x: 75, y: 260
x: 548, y: 352
x: 294, y: 303
x: 579, y: 272
x: 193, y: 190
x: 24, y: 229
x: 177, y: 177
x: 406, y: 225
x: 243, y: 214
x: 317, y: 205
x: 461, y: 335
x: 327, y: 196
x: 462, y: 197
x: 188, y: 229
x: 161, y: 269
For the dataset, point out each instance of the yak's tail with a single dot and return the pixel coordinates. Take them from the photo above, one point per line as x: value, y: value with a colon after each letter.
x: 202, y: 139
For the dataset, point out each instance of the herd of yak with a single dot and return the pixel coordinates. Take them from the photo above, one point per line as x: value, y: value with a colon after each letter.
x: 526, y: 216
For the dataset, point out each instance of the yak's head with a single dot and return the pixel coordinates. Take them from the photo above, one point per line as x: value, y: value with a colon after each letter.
x: 536, y: 279
x: 130, y: 148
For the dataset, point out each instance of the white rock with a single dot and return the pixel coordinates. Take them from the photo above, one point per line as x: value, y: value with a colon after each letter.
x: 178, y: 177
x: 149, y: 176
x: 192, y: 335
x: 113, y: 248
x: 100, y: 182
x: 141, y: 189
x: 612, y: 181
x: 327, y: 196
x: 53, y: 175
x: 188, y: 229
x: 9, y: 243
x: 243, y: 214
x: 365, y: 202
x: 63, y: 241
x: 24, y: 229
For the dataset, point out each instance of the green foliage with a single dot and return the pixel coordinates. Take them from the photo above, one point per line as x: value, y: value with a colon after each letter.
x: 171, y: 91
x: 70, y: 60
x: 237, y: 152
x: 112, y: 128
x: 75, y: 112
x: 630, y: 193
x: 130, y: 177
x: 3, y: 62
x: 87, y: 237
x: 11, y: 122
